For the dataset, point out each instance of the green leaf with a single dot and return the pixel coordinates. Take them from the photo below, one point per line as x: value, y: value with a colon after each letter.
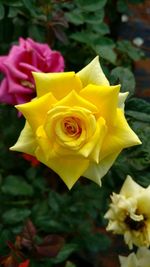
x: 104, y: 47
x: 89, y: 5
x: 127, y: 48
x: 138, y: 104
x: 30, y: 7
x: 97, y: 242
x: 15, y: 215
x: 13, y: 11
x: 83, y: 37
x: 143, y: 179
x: 101, y: 28
x: 36, y: 32
x: 2, y: 11
x: 141, y: 116
x: 16, y: 186
x: 96, y: 19
x: 140, y: 163
x: 136, y: 161
x: 54, y: 201
x: 40, y: 209
x: 15, y: 3
x: 31, y: 173
x: 65, y: 252
x: 125, y: 77
x: 122, y: 6
x: 75, y: 17
x: 106, y: 52
x: 5, y: 235
x: 104, y: 41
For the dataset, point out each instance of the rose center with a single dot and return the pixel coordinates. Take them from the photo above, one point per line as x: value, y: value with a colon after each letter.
x: 135, y: 225
x: 71, y: 126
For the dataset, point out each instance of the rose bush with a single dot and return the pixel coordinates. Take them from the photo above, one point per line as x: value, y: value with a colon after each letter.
x: 129, y: 214
x: 76, y: 125
x: 18, y: 85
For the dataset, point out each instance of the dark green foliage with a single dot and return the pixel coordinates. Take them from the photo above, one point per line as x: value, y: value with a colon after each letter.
x: 125, y: 77
x: 15, y: 186
x: 136, y: 161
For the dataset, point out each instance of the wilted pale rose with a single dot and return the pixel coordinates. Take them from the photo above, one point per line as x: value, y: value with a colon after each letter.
x: 18, y: 85
x: 129, y: 214
x: 76, y: 126
x: 139, y: 259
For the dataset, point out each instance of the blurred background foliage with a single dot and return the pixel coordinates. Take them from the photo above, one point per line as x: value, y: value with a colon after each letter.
x: 40, y: 219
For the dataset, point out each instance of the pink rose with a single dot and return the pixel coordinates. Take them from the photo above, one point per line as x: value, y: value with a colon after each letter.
x: 18, y: 85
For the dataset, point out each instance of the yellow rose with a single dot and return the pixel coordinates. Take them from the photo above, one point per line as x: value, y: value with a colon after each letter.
x: 76, y: 125
x: 129, y: 214
x: 140, y: 259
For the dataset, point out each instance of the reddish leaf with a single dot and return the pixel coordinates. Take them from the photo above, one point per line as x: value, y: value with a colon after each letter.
x: 26, y: 238
x: 24, y: 264
x: 8, y: 261
x: 34, y: 162
x: 50, y: 246
x: 29, y: 231
x: 60, y: 35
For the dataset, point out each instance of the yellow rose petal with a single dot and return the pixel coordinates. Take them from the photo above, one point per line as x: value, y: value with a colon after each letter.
x: 95, y: 154
x: 48, y: 148
x: 119, y: 137
x: 36, y: 110
x: 83, y: 118
x: 73, y: 99
x: 44, y: 143
x: 105, y: 98
x: 122, y: 99
x: 59, y: 84
x: 66, y: 168
x: 26, y: 142
x: 93, y: 145
x: 95, y: 172
x: 93, y: 74
x: 72, y: 143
